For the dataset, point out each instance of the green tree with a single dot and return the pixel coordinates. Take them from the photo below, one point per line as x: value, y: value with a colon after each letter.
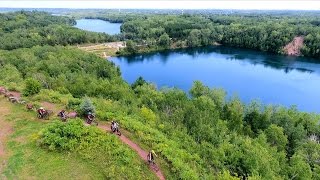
x: 139, y: 82
x: 131, y: 47
x: 198, y: 89
x: 87, y: 106
x: 205, y: 37
x: 311, y: 152
x: 194, y: 38
x: 164, y: 40
x: 276, y: 137
x: 233, y: 112
x: 299, y: 169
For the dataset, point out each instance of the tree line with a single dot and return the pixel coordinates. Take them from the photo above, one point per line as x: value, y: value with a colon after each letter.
x: 265, y: 32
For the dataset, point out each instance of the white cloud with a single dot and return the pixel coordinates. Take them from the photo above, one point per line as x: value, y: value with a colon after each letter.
x: 154, y: 4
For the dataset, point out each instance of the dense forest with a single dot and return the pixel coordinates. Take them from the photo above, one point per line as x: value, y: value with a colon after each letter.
x: 25, y: 29
x: 199, y: 135
x: 260, y: 31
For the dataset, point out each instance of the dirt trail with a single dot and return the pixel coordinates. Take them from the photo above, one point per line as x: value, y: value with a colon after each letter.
x: 143, y: 154
x: 6, y: 129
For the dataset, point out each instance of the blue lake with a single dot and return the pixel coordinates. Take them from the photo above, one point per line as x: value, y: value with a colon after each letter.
x: 272, y: 79
x: 97, y: 25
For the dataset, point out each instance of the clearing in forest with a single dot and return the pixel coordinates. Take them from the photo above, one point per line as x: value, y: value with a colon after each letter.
x: 293, y: 48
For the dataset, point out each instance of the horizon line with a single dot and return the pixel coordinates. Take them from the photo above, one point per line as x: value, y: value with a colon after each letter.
x: 90, y: 8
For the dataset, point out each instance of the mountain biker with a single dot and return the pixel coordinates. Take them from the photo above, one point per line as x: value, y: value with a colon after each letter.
x: 41, y: 111
x: 151, y: 156
x: 62, y: 114
x: 114, y: 126
x: 90, y: 117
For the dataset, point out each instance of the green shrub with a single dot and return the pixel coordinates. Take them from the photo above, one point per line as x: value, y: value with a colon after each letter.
x: 63, y: 90
x: 60, y: 136
x: 74, y: 104
x: 52, y: 96
x: 32, y: 87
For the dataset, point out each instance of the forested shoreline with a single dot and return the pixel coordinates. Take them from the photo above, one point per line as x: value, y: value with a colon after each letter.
x: 154, y: 32
x: 264, y: 32
x: 198, y: 135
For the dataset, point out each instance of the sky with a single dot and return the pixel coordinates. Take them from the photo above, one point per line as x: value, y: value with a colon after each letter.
x: 173, y: 4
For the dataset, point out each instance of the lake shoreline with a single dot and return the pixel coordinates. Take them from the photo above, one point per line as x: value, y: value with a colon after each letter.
x: 142, y: 49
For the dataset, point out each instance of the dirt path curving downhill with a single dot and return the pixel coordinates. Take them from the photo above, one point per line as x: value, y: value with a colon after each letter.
x: 143, y: 154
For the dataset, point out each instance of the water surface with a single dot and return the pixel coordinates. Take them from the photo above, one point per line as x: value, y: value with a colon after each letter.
x: 97, y: 25
x: 273, y: 79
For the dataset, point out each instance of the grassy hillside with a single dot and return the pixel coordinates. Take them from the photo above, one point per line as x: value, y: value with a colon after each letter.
x: 26, y: 160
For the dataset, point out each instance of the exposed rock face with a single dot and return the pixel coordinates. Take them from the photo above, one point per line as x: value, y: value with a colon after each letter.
x: 293, y: 48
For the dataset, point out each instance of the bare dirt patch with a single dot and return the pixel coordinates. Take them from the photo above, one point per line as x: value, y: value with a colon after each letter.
x: 104, y: 50
x: 49, y: 106
x: 293, y: 48
x: 2, y: 89
x: 15, y: 94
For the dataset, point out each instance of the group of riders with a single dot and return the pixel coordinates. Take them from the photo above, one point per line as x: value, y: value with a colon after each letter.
x: 42, y: 114
x: 90, y: 117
